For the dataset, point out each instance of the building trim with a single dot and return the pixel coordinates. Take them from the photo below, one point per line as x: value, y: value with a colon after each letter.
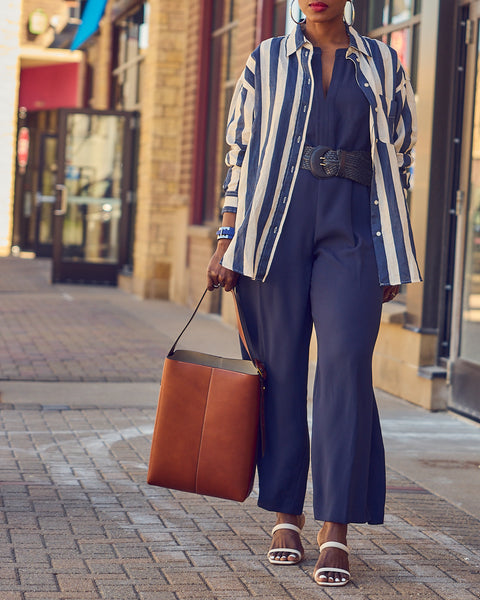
x: 264, y: 27
x: 201, y: 109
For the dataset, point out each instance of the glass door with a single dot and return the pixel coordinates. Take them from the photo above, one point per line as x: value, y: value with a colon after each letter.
x: 94, y: 167
x: 465, y: 347
x: 45, y: 195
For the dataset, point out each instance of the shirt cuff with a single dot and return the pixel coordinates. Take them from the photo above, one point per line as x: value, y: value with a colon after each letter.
x: 229, y: 209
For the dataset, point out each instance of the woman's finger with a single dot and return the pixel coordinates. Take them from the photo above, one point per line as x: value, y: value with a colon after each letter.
x: 389, y: 292
x: 230, y: 281
x: 212, y: 280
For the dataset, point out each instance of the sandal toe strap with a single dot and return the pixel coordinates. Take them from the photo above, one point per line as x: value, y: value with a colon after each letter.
x: 330, y: 570
x: 285, y: 550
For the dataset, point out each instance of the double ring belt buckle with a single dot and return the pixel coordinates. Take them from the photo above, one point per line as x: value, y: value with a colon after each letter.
x: 324, y: 162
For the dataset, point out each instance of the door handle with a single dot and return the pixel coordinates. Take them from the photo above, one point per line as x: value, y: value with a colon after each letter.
x: 63, y: 206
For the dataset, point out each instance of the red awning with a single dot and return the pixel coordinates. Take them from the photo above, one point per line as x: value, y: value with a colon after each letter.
x: 51, y: 86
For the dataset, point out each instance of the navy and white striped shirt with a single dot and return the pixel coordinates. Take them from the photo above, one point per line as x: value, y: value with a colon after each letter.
x: 266, y: 133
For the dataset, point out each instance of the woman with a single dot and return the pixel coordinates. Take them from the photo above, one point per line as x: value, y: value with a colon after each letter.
x: 315, y: 230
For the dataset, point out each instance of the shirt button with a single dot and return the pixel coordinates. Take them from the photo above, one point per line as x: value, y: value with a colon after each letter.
x: 284, y: 199
x: 275, y: 230
x: 299, y: 139
x: 375, y: 201
x: 366, y: 85
x: 376, y: 109
x: 309, y: 81
x: 292, y: 169
x: 304, y: 108
x: 379, y: 233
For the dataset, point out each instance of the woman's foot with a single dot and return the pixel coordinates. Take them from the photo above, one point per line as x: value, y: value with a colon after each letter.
x: 332, y: 557
x: 288, y: 539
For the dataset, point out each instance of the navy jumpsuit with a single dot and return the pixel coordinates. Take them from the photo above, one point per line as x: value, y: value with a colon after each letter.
x: 324, y: 272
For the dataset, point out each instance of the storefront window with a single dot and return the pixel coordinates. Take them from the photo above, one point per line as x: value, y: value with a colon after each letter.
x: 470, y: 329
x: 279, y: 17
x: 402, y: 10
x: 378, y: 13
x: 131, y: 40
x: 130, y: 47
x: 222, y: 79
x: 397, y: 23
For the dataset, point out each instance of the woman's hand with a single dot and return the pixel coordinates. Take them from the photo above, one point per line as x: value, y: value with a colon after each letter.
x: 389, y: 292
x: 218, y: 275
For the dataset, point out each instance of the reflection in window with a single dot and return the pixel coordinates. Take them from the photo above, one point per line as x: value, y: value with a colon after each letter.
x: 470, y: 330
x: 392, y: 12
x: 279, y: 17
x: 220, y: 90
x: 397, y: 22
x: 131, y: 39
x: 401, y: 10
x: 378, y: 13
x: 93, y: 180
x: 400, y: 41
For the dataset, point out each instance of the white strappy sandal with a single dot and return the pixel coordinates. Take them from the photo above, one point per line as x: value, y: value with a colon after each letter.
x: 318, y: 572
x: 291, y: 551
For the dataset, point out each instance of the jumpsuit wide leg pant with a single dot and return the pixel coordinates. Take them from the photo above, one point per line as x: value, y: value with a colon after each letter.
x: 324, y: 272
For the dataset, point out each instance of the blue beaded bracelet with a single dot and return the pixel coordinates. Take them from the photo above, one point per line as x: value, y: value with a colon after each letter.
x: 225, y: 233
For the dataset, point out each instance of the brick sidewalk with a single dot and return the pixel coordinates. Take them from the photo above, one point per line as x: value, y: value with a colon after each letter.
x: 46, y: 334
x: 78, y: 521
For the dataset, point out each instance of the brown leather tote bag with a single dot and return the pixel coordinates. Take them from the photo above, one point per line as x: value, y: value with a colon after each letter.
x: 207, y: 424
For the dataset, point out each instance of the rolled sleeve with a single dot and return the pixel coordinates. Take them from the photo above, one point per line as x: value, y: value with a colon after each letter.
x: 238, y: 133
x: 405, y: 135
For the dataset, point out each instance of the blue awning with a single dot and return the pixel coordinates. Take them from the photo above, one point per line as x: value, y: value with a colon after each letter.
x: 92, y: 13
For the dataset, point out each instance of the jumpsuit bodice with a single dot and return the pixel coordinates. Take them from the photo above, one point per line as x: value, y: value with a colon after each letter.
x: 339, y: 120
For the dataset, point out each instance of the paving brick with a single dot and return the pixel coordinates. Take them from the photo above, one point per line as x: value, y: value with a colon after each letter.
x: 79, y: 522
x: 93, y: 533
x: 44, y: 337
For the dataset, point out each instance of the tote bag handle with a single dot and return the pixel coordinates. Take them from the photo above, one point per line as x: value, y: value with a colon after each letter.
x: 242, y: 330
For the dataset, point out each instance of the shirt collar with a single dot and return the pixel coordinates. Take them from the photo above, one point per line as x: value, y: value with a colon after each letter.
x: 296, y: 39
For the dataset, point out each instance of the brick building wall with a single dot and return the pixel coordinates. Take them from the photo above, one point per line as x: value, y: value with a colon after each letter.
x: 9, y: 52
x: 162, y: 212
x: 201, y: 237
x: 99, y: 60
x: 51, y: 7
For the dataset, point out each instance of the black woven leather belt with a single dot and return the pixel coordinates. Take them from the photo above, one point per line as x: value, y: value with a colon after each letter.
x: 325, y: 162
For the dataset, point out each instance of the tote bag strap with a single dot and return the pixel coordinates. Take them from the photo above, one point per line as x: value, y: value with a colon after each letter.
x: 241, y: 329
x: 172, y: 349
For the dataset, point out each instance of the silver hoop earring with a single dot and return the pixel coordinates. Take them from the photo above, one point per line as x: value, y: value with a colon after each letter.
x: 349, y: 13
x: 291, y: 14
